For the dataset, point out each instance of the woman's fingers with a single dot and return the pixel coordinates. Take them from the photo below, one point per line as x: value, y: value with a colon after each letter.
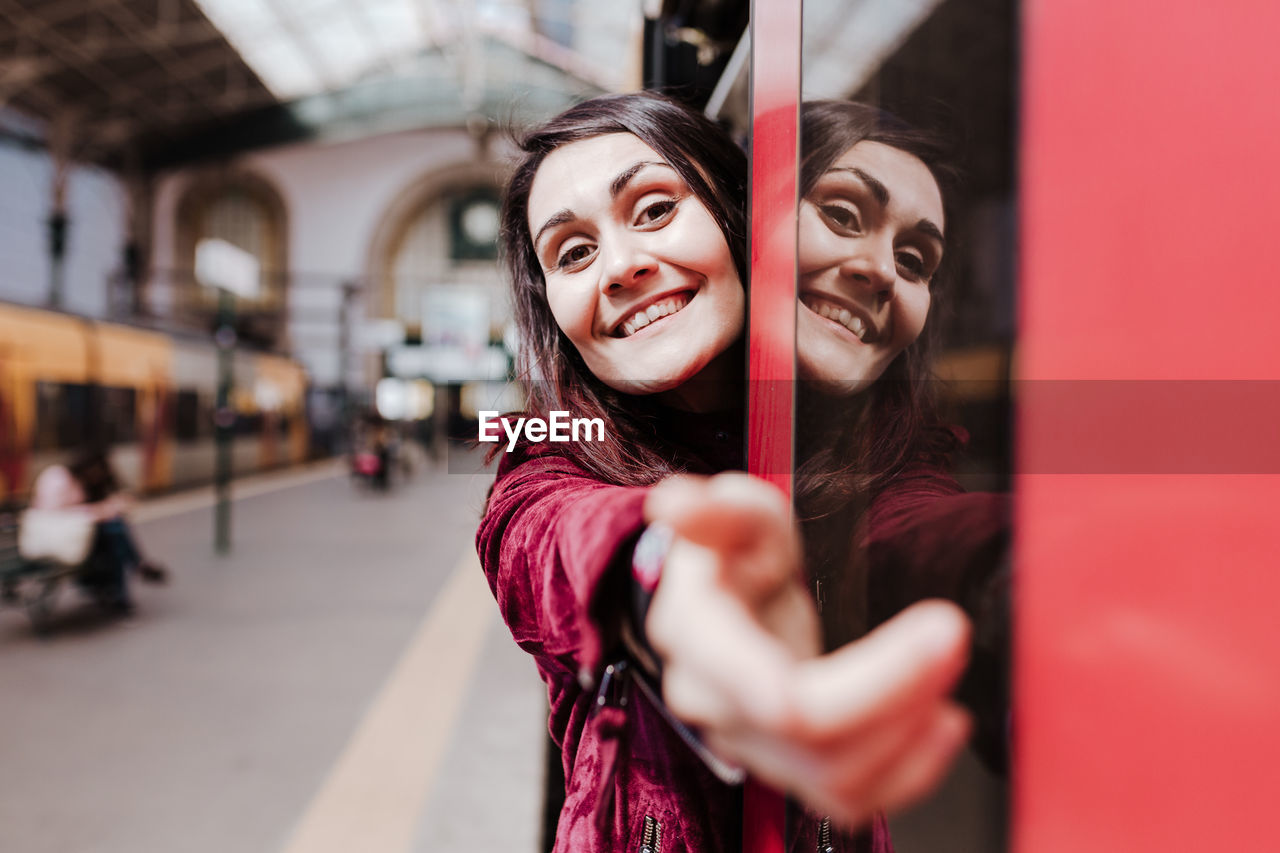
x: 884, y: 768
x: 779, y: 762
x: 858, y: 775
x: 729, y: 615
x: 742, y: 518
x: 862, y: 729
x: 717, y: 510
x: 729, y: 511
x: 909, y: 662
x: 719, y: 661
x: 914, y: 772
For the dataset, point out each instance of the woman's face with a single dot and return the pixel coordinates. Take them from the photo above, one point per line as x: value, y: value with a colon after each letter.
x: 870, y: 241
x: 639, y: 276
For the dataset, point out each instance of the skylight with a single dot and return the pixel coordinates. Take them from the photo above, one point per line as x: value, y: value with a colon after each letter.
x: 304, y: 47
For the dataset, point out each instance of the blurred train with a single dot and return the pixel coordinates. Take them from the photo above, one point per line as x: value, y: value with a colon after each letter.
x: 67, y: 381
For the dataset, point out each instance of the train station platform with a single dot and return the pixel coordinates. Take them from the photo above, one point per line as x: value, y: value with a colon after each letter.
x: 341, y: 681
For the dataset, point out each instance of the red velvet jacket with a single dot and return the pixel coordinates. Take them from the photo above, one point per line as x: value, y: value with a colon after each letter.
x: 556, y: 543
x: 925, y: 537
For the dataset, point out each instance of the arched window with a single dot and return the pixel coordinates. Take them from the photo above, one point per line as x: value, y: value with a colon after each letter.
x: 441, y: 231
x: 247, y: 212
x: 450, y: 239
x: 244, y: 222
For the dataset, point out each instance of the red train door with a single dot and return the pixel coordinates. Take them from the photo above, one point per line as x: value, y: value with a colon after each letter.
x: 1147, y: 670
x: 1148, y: 664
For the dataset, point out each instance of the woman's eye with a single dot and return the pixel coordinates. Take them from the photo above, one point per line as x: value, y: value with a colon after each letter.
x: 574, y: 256
x: 844, y: 218
x: 912, y: 265
x: 657, y: 211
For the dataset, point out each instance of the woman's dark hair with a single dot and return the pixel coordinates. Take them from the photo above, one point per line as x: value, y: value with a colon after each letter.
x: 556, y: 377
x: 853, y: 447
x: 91, y: 468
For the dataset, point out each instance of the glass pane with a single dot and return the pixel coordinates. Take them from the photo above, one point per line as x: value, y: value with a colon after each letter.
x: 904, y: 338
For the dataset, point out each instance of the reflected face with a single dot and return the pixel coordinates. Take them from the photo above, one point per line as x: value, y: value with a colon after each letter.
x: 870, y: 242
x: 639, y: 276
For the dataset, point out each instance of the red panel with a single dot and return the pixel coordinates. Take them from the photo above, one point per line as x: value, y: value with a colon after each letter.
x: 775, y: 91
x: 775, y: 75
x: 1148, y: 661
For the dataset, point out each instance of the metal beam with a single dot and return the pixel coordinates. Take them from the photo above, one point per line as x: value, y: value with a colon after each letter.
x: 164, y: 53
x: 103, y: 79
x: 53, y: 14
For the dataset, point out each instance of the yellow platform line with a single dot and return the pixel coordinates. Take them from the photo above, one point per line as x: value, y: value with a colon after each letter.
x: 378, y: 788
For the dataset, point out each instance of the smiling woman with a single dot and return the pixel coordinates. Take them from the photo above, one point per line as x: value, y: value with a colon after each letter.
x: 874, y: 212
x: 639, y: 276
x: 623, y: 210
x: 870, y: 243
x: 886, y: 524
x: 652, y: 603
x: 866, y: 258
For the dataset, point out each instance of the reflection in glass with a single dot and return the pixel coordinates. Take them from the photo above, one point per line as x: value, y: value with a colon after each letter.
x: 905, y: 275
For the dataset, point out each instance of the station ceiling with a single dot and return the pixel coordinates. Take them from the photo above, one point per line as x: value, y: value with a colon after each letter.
x: 104, y: 74
x: 151, y: 83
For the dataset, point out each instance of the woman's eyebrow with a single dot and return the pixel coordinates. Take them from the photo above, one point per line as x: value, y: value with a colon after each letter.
x: 881, y: 193
x: 624, y: 177
x: 559, y: 218
x: 616, y: 186
x: 929, y: 229
x: 879, y: 190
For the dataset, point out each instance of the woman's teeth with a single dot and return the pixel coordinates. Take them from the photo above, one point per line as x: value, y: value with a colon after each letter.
x: 843, y: 316
x: 656, y: 311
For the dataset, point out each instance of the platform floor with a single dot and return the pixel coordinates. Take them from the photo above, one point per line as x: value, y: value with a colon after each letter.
x: 340, y: 682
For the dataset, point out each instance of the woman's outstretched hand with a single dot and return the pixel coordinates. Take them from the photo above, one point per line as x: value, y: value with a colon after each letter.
x: 863, y: 729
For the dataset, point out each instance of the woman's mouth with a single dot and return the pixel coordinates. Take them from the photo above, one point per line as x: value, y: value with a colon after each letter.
x: 839, y: 315
x: 664, y: 307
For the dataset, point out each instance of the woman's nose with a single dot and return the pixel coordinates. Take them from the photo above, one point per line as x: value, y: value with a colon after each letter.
x: 626, y: 264
x: 872, y: 267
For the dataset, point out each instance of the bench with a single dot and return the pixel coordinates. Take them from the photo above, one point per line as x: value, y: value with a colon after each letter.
x: 33, y: 585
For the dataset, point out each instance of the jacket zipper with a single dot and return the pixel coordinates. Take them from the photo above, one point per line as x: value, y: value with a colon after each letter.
x: 651, y: 838
x: 612, y: 690
x: 824, y: 836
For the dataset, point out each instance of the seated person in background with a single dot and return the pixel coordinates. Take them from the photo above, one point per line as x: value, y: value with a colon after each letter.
x: 88, y: 486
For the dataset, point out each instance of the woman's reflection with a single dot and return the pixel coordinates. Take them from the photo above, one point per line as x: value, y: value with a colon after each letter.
x: 886, y: 524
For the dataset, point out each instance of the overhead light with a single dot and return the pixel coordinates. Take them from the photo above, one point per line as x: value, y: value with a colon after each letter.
x: 226, y: 266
